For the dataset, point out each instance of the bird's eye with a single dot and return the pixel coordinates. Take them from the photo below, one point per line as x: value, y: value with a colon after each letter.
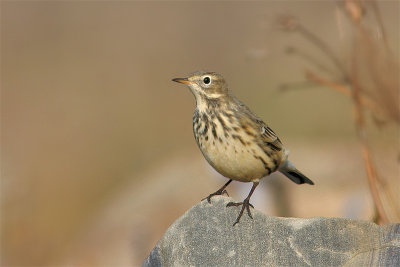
x: 206, y: 80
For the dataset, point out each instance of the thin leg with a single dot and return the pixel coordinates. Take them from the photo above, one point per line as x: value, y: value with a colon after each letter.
x: 220, y: 191
x: 245, y: 204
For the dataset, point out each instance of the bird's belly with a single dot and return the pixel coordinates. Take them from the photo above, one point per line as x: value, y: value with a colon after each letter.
x: 235, y: 160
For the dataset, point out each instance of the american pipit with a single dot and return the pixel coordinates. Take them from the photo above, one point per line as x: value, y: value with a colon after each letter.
x: 237, y: 143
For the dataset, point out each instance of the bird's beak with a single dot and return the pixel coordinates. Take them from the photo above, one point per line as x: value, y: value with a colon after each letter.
x: 182, y: 80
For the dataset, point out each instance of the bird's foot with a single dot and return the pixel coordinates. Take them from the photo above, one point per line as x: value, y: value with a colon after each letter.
x: 216, y: 193
x: 245, y: 205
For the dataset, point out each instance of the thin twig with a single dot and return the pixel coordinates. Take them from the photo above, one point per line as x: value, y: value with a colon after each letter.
x: 292, y: 24
x: 362, y: 135
x: 378, y: 17
x: 371, y: 172
x: 324, y: 48
x: 352, y: 88
x: 313, y: 61
x: 343, y: 89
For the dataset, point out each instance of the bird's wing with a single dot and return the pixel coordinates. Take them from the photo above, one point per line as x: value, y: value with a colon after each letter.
x: 268, y: 137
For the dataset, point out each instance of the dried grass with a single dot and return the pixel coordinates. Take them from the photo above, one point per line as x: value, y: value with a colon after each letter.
x: 370, y: 79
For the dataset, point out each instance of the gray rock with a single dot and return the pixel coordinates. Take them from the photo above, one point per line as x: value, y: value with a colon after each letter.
x: 204, y: 236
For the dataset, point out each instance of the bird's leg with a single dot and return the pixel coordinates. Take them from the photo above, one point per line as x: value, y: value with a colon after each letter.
x: 245, y: 204
x: 220, y: 191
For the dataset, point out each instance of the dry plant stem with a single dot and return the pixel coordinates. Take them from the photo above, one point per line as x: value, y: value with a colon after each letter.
x: 353, y: 90
x: 311, y: 60
x: 378, y: 16
x: 365, y: 102
x: 371, y: 171
x: 360, y: 125
x: 341, y: 88
x: 382, y: 217
x: 324, y: 48
x: 388, y: 95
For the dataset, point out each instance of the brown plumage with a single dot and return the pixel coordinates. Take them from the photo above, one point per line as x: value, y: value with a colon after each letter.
x: 235, y: 141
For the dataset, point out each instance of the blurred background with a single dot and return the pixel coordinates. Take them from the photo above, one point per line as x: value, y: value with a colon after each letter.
x: 97, y: 152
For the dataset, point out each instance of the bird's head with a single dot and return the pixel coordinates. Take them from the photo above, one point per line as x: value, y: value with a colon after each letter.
x: 205, y: 85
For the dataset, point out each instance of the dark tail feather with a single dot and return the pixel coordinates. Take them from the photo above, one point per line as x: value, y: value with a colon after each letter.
x: 297, y: 177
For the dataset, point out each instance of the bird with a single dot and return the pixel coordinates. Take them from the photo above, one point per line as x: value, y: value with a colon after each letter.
x: 233, y: 139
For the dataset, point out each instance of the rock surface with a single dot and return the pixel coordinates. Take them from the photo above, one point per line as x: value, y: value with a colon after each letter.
x: 204, y: 236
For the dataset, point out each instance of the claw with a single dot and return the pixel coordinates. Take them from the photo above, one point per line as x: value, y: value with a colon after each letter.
x: 225, y: 192
x: 245, y: 205
x: 208, y: 199
x: 230, y: 204
x: 219, y: 192
x: 248, y: 210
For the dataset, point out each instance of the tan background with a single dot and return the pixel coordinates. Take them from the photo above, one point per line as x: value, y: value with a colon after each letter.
x: 97, y: 152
